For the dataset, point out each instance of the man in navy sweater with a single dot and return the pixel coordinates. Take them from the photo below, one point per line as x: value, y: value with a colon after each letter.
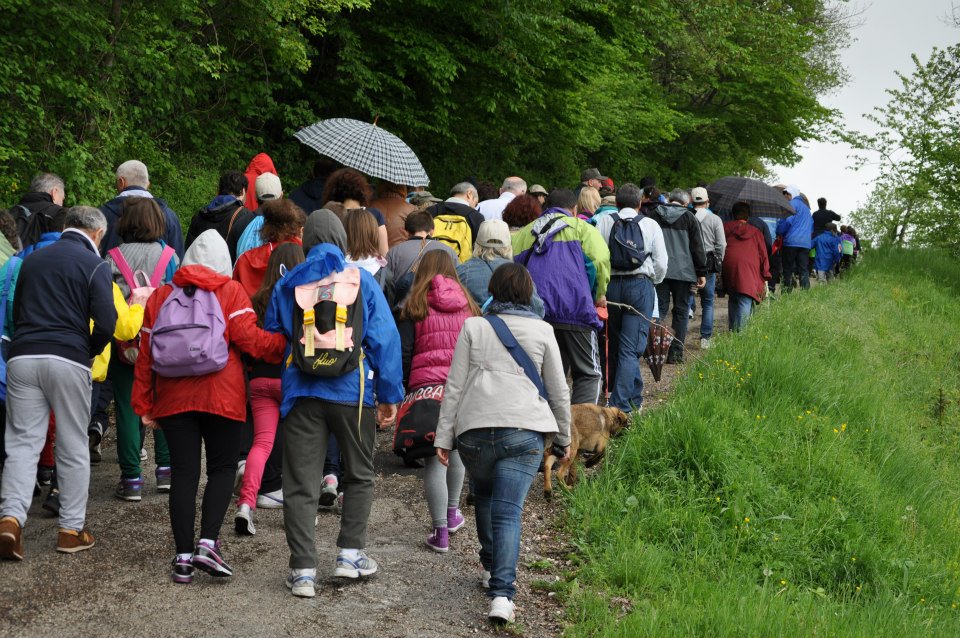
x: 133, y: 180
x: 60, y: 290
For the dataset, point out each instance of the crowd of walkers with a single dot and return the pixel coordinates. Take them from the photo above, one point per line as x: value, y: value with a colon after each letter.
x: 282, y: 331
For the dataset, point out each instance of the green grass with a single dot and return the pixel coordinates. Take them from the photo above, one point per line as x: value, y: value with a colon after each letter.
x: 803, y: 479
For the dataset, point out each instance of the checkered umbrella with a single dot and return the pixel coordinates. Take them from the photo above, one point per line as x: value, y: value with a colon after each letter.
x: 367, y: 148
x: 764, y: 200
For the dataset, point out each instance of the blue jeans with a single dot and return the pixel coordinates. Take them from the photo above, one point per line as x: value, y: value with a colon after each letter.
x: 739, y: 309
x: 502, y: 463
x: 628, y: 338
x: 706, y: 301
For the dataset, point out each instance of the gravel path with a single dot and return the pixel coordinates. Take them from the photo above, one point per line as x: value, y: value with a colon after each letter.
x: 122, y: 586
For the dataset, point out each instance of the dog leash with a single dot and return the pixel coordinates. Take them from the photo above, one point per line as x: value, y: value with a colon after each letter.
x: 647, y: 319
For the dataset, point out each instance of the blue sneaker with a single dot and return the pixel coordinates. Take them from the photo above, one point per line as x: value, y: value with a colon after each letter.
x: 362, y: 565
x: 129, y: 489
x: 302, y: 585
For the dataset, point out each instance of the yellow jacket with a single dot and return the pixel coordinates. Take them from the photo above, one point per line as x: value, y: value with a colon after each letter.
x: 129, y: 322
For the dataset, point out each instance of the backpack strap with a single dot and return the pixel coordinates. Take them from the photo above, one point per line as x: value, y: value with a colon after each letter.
x: 165, y: 256
x: 517, y: 352
x: 123, y: 267
x: 234, y: 218
x: 538, y: 235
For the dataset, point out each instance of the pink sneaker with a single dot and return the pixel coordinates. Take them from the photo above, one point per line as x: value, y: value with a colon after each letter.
x: 455, y: 519
x: 439, y: 540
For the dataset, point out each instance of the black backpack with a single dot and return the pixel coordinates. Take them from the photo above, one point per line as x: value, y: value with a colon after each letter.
x: 30, y: 225
x: 627, y: 251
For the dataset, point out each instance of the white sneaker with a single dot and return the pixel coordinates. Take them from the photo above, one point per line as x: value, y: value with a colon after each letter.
x: 243, y: 521
x: 303, y: 582
x: 270, y: 500
x: 501, y: 610
x: 238, y: 477
x: 691, y: 314
x: 485, y: 579
x: 362, y: 565
x: 704, y: 344
x: 143, y: 454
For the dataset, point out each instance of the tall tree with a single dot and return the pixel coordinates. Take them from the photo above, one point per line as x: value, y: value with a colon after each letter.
x: 916, y: 197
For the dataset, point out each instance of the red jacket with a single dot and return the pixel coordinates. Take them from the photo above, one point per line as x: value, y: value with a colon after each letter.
x: 436, y: 336
x: 260, y: 164
x: 251, y: 268
x: 222, y: 393
x: 745, y: 264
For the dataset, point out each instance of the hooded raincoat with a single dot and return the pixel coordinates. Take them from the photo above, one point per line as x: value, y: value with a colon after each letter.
x: 260, y: 164
x: 206, y: 265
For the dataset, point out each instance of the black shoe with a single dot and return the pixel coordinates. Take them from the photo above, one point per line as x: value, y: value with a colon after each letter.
x: 44, y: 475
x: 96, y: 436
x: 52, y: 502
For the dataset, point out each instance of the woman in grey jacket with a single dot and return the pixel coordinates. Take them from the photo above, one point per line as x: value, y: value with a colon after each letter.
x: 501, y: 442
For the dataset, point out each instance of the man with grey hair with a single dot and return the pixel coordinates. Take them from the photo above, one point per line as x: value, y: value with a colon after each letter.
x: 41, y: 209
x: 511, y: 188
x: 686, y: 264
x: 60, y: 291
x: 133, y: 180
x: 461, y: 204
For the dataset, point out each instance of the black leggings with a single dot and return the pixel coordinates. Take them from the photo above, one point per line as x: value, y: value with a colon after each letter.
x: 221, y: 440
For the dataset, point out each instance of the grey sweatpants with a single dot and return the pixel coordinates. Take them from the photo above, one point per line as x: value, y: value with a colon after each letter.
x: 442, y: 486
x: 306, y: 429
x: 35, y: 387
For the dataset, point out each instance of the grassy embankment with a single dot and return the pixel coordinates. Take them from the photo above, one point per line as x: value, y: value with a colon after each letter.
x: 803, y: 479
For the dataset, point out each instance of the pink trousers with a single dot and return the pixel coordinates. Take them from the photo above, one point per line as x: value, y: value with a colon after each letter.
x: 265, y: 404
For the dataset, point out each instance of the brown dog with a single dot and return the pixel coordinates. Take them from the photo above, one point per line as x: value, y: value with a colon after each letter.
x: 590, y: 430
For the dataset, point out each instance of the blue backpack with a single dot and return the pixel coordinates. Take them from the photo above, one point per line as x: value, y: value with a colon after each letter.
x: 4, y: 297
x: 250, y: 238
x: 627, y: 251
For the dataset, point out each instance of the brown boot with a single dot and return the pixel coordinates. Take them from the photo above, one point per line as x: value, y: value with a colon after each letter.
x: 70, y: 541
x: 11, y: 546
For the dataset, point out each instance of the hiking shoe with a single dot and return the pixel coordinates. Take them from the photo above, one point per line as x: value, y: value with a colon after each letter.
x: 328, y: 493
x: 52, y: 502
x: 182, y: 570
x: 70, y: 541
x: 163, y: 474
x: 270, y: 500
x: 95, y: 432
x: 44, y: 475
x: 243, y: 521
x: 209, y: 559
x: 11, y: 543
x: 362, y: 565
x: 501, y: 611
x: 485, y: 579
x: 690, y: 314
x: 439, y: 540
x: 455, y: 519
x: 705, y: 343
x: 129, y: 489
x: 674, y: 357
x: 238, y: 477
x: 302, y: 585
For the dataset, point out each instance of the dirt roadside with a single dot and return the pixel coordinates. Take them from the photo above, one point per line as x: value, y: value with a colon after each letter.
x: 122, y: 587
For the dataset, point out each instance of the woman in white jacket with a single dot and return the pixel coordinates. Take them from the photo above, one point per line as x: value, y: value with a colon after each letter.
x: 494, y: 414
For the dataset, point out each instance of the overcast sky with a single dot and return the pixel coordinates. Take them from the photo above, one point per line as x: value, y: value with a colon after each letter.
x: 891, y: 30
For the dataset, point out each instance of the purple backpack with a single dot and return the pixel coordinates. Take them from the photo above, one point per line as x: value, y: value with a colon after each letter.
x: 188, y: 338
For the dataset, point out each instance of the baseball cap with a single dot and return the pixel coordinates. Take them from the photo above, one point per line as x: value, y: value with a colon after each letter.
x: 591, y: 173
x: 493, y: 233
x: 536, y: 189
x: 699, y: 195
x: 268, y: 187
